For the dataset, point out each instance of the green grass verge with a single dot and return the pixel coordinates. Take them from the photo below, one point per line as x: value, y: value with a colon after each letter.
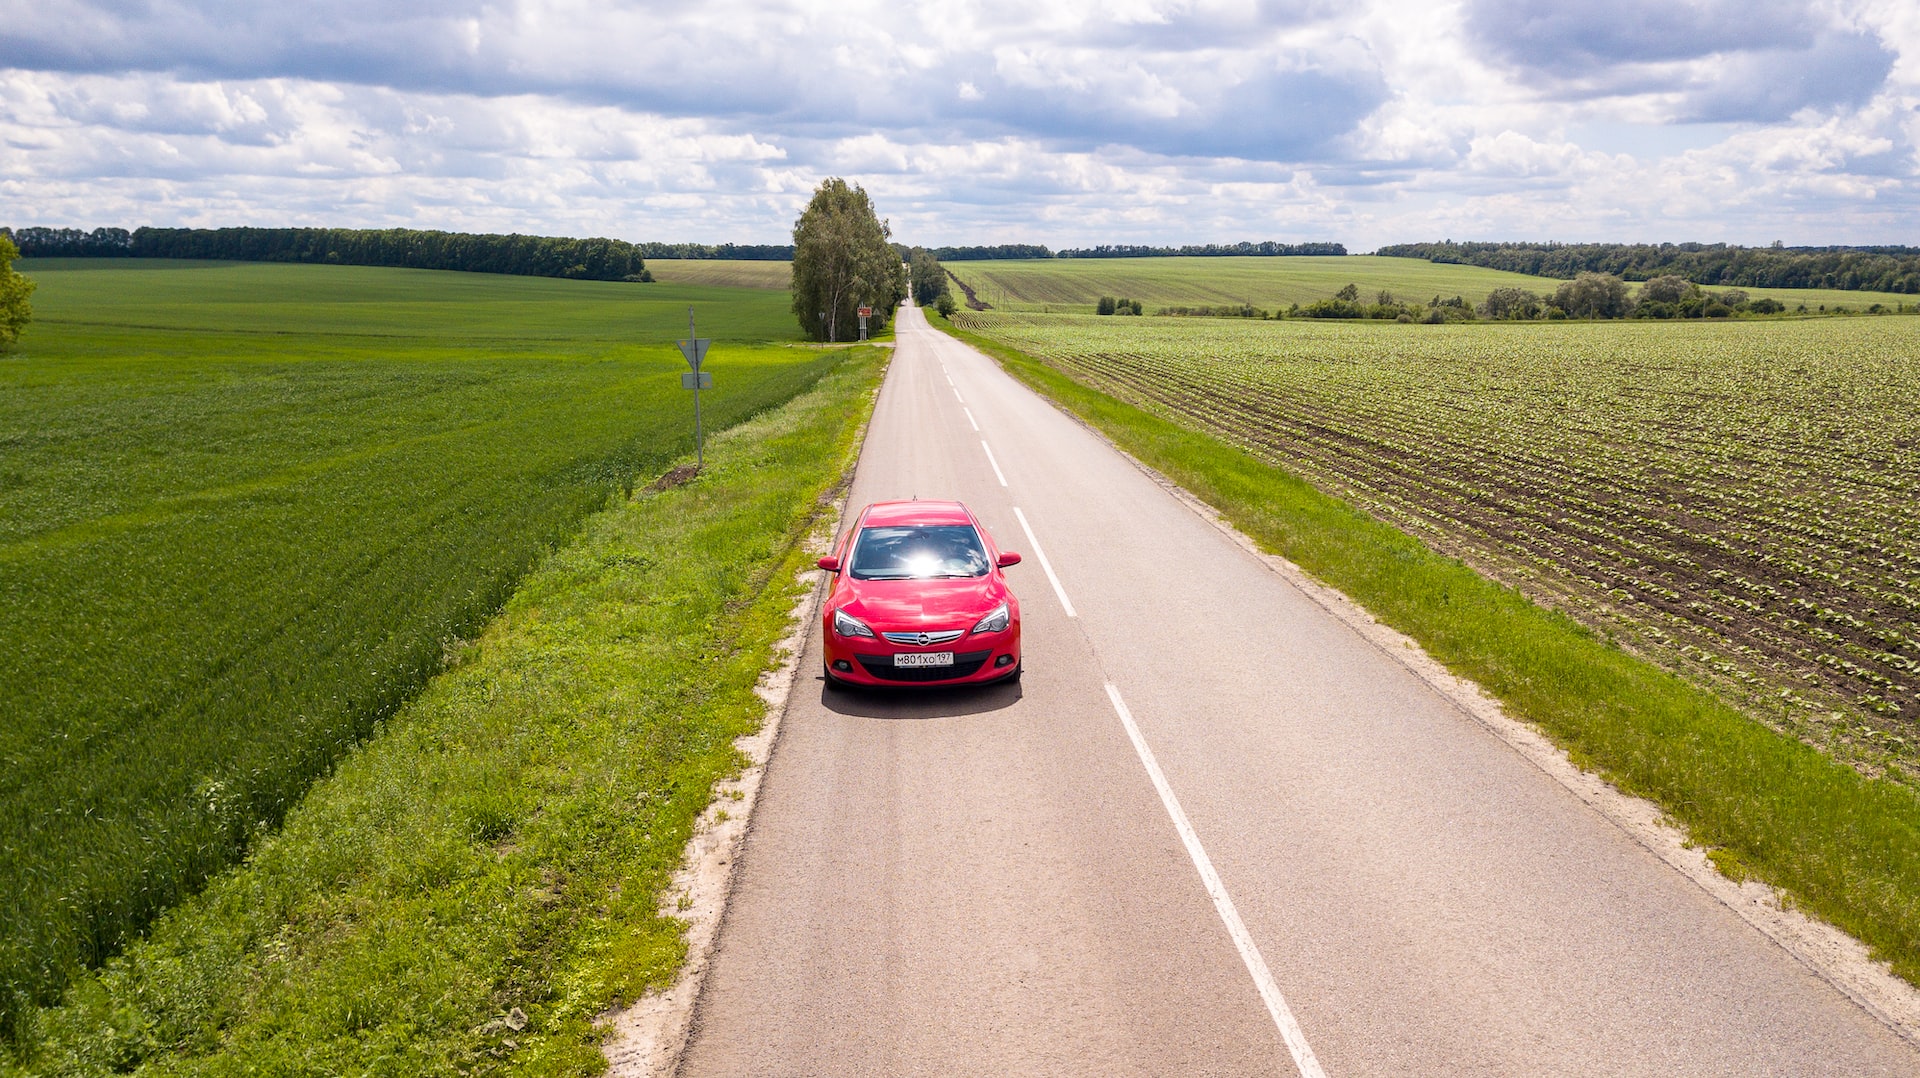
x: 1843, y: 847
x: 505, y: 841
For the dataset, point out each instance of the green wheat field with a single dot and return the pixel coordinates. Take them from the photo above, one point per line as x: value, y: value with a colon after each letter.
x: 248, y: 510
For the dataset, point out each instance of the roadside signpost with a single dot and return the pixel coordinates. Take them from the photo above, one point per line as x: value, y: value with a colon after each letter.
x: 695, y: 349
x: 865, y: 313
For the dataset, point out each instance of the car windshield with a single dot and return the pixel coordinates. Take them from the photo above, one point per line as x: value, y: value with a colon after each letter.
x: 918, y: 552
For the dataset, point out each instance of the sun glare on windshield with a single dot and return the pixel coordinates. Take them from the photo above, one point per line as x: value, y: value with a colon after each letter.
x: 922, y: 552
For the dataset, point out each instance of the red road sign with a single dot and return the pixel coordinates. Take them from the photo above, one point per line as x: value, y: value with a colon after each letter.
x: 866, y: 312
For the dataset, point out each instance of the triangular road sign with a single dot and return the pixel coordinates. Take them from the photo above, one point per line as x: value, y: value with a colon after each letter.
x: 695, y: 350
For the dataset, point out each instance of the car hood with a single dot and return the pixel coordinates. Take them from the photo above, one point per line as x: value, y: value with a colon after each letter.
x: 924, y: 604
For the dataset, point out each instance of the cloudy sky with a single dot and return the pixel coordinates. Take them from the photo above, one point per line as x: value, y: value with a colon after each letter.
x: 974, y: 121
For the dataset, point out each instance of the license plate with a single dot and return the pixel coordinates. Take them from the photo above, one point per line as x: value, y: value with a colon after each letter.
x: 923, y: 658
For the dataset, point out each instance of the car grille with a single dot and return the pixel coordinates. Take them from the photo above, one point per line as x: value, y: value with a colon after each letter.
x: 965, y: 664
x: 926, y: 639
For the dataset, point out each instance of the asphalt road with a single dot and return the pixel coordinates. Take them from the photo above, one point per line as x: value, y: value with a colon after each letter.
x: 993, y: 882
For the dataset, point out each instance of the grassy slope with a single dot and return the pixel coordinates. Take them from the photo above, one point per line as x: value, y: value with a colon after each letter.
x: 1844, y: 847
x: 505, y: 842
x: 243, y: 508
x: 1276, y: 283
x: 727, y: 273
x: 1265, y: 282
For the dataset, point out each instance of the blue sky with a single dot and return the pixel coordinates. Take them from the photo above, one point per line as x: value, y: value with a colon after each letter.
x: 1064, y: 123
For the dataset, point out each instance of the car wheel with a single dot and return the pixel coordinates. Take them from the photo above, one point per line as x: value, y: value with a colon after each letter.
x: 1018, y: 669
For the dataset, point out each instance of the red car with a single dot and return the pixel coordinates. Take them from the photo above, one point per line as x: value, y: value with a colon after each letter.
x: 918, y: 597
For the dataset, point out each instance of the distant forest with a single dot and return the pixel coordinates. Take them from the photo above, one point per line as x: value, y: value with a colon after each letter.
x: 596, y: 259
x: 1126, y: 250
x: 745, y: 252
x: 1870, y: 269
x: 1205, y: 250
x: 988, y: 254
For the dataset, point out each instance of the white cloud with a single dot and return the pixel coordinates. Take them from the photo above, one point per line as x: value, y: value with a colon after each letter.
x: 976, y: 120
x: 1512, y: 154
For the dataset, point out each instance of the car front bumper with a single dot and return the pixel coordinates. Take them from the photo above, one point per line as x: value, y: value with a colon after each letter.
x: 977, y: 660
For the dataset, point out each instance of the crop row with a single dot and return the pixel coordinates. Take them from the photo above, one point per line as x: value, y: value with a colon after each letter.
x: 1735, y: 499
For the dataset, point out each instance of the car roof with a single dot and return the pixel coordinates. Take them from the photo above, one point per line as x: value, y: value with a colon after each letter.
x: 917, y: 512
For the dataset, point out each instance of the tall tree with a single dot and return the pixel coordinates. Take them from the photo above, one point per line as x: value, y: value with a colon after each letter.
x: 15, y: 311
x: 1593, y: 295
x: 1668, y: 288
x: 842, y: 261
x: 1511, y: 303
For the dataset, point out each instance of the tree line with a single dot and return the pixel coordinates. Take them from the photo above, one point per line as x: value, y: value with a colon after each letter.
x: 1267, y: 249
x: 596, y: 259
x: 1205, y: 250
x: 988, y: 254
x: 743, y: 252
x: 120, y: 243
x: 1348, y: 303
x: 71, y: 242
x: 1603, y: 295
x: 1588, y: 295
x: 1872, y: 269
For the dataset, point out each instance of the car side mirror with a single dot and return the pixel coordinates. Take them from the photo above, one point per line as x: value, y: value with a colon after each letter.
x: 1008, y: 557
x: 831, y: 565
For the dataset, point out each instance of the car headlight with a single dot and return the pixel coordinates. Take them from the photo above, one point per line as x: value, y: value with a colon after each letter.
x: 995, y: 622
x: 847, y: 625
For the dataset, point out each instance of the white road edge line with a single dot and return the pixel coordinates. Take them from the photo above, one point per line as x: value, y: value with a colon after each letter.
x: 1303, y: 1056
x: 1002, y: 476
x: 1033, y: 543
x: 970, y: 419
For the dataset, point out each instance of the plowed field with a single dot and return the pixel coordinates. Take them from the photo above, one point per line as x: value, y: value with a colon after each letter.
x: 1735, y: 500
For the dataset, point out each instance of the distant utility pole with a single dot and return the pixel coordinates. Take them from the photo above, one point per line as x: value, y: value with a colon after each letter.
x: 695, y: 349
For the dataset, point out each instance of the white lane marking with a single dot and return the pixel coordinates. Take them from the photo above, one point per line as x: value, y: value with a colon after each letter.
x: 957, y: 396
x: 1046, y: 566
x: 949, y: 377
x: 1002, y: 476
x: 970, y: 419
x: 1303, y: 1056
